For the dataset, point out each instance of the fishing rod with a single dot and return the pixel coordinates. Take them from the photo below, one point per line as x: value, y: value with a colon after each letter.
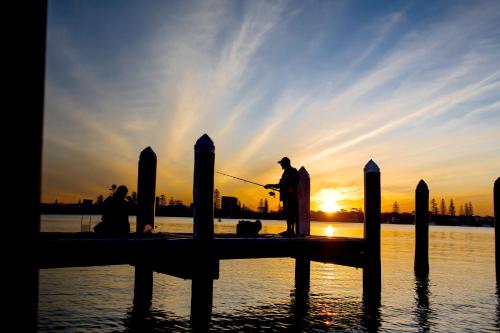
x: 249, y: 181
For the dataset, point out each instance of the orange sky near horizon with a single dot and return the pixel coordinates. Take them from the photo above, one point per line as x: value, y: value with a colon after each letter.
x: 326, y: 195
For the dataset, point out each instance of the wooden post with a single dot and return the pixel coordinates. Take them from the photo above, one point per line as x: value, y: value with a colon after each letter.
x: 302, y: 273
x: 421, y: 266
x: 496, y: 208
x: 301, y: 299
x: 23, y: 162
x: 304, y: 222
x: 372, y: 211
x: 422, y: 308
x: 371, y: 270
x: 202, y: 286
x: 143, y: 287
x: 371, y: 309
x: 203, y: 189
x: 146, y: 188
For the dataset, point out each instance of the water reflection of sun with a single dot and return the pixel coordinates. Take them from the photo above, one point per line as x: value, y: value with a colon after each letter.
x: 329, y: 231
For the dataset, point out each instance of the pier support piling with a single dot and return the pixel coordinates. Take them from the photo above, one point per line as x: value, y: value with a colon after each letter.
x: 372, y: 270
x: 146, y: 188
x: 23, y: 161
x: 146, y: 193
x: 203, y: 231
x: 304, y: 222
x: 205, y: 270
x: 302, y: 274
x: 203, y: 189
x: 143, y: 288
x: 421, y: 266
x: 301, y: 295
x: 422, y: 308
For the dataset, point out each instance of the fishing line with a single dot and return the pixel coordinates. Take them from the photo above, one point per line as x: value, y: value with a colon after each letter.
x: 249, y: 181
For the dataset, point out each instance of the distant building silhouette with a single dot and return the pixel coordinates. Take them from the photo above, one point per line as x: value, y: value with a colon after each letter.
x: 230, y: 207
x: 87, y: 206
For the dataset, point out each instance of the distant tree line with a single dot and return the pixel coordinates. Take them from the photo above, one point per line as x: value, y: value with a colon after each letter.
x: 172, y: 208
x: 343, y: 215
x: 465, y: 209
x: 441, y: 214
x: 447, y: 214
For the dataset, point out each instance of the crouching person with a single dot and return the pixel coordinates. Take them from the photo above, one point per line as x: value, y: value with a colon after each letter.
x: 114, y: 219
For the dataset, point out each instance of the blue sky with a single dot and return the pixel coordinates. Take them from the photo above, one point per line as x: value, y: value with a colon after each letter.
x: 330, y: 84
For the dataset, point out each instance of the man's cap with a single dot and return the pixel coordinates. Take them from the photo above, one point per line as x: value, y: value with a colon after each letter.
x: 285, y: 160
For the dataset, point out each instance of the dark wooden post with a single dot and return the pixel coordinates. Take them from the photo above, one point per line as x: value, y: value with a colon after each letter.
x: 23, y: 162
x: 143, y: 287
x: 422, y: 308
x: 302, y: 273
x: 301, y: 296
x: 146, y: 188
x: 203, y: 230
x: 203, y: 188
x: 202, y: 285
x: 371, y: 270
x: 496, y: 208
x: 304, y: 222
x: 372, y: 212
x: 302, y: 264
x: 421, y: 266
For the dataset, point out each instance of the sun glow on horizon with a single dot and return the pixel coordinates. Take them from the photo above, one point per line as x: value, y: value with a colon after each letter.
x: 328, y: 199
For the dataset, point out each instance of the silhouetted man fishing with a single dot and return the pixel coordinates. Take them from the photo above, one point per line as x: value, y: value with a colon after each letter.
x: 288, y: 187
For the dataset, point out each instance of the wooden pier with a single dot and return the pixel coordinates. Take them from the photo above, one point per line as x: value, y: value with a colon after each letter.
x: 174, y: 252
x: 57, y: 250
x: 196, y: 255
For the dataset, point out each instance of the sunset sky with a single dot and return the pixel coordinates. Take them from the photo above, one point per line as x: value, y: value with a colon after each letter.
x: 413, y: 85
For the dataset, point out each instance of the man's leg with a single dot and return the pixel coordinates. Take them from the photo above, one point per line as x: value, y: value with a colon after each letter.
x: 294, y: 216
x: 286, y: 213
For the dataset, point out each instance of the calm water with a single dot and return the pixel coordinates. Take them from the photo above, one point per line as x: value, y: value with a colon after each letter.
x: 260, y: 295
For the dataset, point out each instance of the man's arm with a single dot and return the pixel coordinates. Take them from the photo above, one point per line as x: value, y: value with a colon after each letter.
x: 272, y: 186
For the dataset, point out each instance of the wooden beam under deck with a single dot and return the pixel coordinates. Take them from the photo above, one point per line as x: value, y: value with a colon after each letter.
x: 179, y: 254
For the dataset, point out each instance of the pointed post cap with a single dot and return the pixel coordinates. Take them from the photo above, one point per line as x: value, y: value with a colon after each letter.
x: 371, y: 167
x: 422, y: 185
x: 497, y: 182
x: 204, y: 142
x: 147, y: 153
x: 303, y: 172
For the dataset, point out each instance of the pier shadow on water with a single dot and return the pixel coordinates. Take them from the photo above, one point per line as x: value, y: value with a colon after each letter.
x: 305, y: 312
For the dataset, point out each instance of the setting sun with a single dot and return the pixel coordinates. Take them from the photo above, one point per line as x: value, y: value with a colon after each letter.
x: 329, y: 203
x: 328, y: 200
